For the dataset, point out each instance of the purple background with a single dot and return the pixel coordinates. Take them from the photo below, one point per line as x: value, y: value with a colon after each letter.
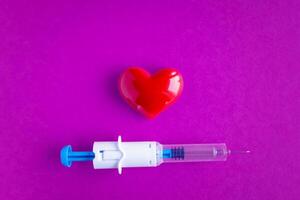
x: 59, y: 65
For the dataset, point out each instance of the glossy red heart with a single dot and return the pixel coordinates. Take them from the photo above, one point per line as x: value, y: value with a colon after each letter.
x: 150, y: 94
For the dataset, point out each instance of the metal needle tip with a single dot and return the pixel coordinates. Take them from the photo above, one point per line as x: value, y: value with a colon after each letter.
x: 239, y: 152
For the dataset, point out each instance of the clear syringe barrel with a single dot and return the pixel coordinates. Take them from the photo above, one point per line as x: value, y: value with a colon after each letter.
x: 194, y: 152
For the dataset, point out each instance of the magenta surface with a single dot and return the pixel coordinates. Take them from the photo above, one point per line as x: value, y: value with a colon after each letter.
x: 59, y: 65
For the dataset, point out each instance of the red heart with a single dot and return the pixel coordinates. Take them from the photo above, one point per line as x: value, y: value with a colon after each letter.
x: 150, y: 94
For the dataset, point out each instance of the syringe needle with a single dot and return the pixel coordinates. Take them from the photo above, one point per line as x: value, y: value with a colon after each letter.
x: 239, y: 151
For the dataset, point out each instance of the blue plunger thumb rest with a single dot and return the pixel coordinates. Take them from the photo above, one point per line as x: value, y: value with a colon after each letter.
x: 67, y: 156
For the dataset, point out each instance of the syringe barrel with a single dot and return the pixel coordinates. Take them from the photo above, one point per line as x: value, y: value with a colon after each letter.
x: 194, y: 152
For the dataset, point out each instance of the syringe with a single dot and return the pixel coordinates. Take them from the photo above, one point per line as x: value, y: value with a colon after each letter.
x: 107, y: 155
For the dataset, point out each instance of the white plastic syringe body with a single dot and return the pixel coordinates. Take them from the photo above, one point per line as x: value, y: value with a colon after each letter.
x: 126, y: 154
